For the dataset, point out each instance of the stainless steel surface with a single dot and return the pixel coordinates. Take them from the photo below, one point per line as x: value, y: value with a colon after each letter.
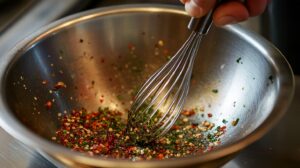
x: 278, y: 148
x: 267, y: 152
x: 257, y: 51
x: 38, y: 14
x: 14, y: 154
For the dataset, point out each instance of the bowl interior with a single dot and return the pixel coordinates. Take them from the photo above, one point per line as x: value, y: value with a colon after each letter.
x: 102, y: 60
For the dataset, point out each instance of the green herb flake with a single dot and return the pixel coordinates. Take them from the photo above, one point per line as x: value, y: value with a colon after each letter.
x: 215, y: 91
x: 120, y: 97
x: 235, y: 122
x: 271, y: 78
x: 224, y: 121
x: 168, y: 57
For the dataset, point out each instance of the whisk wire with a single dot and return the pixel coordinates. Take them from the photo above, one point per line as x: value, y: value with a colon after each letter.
x: 147, y: 90
x: 156, y: 74
x: 160, y: 100
x: 167, y: 123
x: 162, y: 86
x: 183, y: 69
x: 158, y: 88
x: 164, y: 98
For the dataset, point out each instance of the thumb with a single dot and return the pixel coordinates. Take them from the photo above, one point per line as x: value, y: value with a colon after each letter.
x: 198, y: 8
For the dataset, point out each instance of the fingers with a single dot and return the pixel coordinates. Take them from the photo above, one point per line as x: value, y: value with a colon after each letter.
x: 256, y: 7
x: 230, y: 12
x: 198, y: 8
x: 183, y: 1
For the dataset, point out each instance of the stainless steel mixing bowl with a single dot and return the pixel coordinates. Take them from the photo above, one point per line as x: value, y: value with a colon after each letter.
x: 87, y: 52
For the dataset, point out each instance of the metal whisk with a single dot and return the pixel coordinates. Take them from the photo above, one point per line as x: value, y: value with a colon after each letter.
x: 159, y: 102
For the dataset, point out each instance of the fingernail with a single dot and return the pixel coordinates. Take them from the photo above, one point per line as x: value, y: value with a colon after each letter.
x: 193, y: 9
x: 226, y: 20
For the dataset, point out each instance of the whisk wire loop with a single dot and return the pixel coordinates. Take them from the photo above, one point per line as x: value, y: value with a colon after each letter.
x: 160, y: 100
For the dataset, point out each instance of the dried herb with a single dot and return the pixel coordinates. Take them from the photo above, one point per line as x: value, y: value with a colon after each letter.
x: 103, y: 133
x: 215, y: 90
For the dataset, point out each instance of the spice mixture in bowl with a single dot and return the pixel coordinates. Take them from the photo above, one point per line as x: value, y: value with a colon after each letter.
x: 66, y: 90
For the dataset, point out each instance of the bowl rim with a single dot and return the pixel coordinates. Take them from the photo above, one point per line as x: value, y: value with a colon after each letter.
x: 11, y: 125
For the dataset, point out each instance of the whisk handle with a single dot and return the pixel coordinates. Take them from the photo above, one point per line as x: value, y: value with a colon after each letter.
x: 203, y: 24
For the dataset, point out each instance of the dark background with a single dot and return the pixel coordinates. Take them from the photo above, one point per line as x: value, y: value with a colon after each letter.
x: 280, y: 26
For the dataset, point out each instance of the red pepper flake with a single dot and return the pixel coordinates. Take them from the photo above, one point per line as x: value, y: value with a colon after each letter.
x: 81, y: 40
x: 131, y: 47
x: 195, y: 125
x: 131, y: 148
x: 223, y: 128
x: 175, y: 127
x: 44, y: 82
x: 194, y: 82
x: 209, y: 115
x: 60, y: 85
x: 48, y: 105
x: 166, y: 51
x: 101, y: 100
x: 188, y: 113
x: 160, y: 156
x: 102, y: 60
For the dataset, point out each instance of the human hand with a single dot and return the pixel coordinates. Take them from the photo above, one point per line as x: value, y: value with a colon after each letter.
x: 232, y: 11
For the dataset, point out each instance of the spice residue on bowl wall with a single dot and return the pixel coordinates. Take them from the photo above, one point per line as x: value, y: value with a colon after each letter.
x: 103, y: 132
